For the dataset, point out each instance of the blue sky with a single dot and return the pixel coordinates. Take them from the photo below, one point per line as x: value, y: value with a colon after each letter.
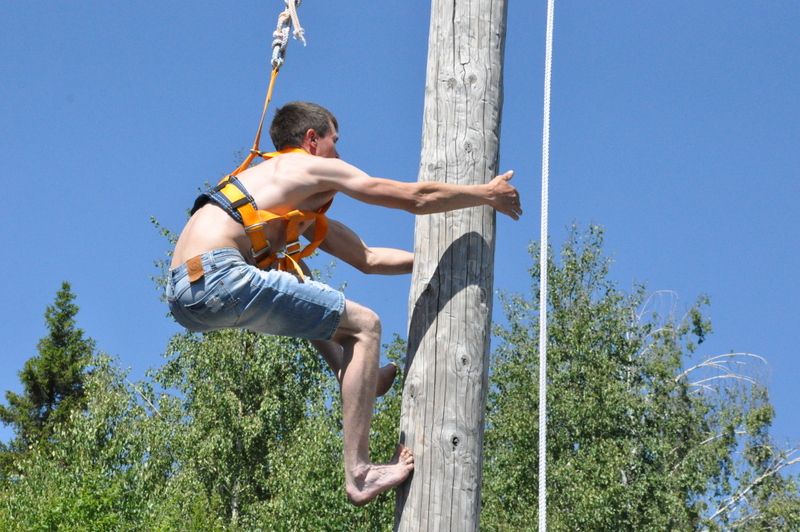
x: 675, y: 125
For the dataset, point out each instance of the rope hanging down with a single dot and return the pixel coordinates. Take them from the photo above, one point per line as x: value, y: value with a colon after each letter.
x: 543, y: 274
x: 280, y: 40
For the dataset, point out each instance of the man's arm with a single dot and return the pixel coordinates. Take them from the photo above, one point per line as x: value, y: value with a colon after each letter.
x: 343, y: 243
x: 420, y: 197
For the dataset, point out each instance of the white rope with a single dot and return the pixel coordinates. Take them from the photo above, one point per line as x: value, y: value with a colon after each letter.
x: 543, y: 275
x: 299, y: 33
x: 280, y: 37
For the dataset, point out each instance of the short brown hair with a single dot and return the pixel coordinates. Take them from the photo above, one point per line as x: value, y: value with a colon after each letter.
x: 293, y: 120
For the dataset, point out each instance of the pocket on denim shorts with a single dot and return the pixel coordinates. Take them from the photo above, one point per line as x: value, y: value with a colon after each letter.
x: 216, y: 308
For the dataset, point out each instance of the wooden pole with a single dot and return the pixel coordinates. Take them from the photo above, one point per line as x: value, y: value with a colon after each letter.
x: 450, y: 303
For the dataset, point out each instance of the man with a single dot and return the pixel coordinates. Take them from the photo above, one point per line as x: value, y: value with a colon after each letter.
x: 214, y: 284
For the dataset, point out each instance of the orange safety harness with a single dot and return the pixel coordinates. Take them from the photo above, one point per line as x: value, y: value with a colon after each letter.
x: 255, y: 220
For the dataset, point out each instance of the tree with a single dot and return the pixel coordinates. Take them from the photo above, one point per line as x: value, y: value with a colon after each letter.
x: 239, y: 431
x: 636, y: 441
x: 243, y: 394
x: 145, y: 460
x: 262, y: 432
x: 109, y: 467
x: 52, y: 381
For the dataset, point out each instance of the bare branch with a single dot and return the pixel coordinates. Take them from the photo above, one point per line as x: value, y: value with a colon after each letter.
x: 744, y: 520
x: 144, y: 397
x: 702, y: 387
x: 720, y: 362
x: 658, y: 293
x: 718, y: 436
x: 745, y: 378
x: 781, y: 463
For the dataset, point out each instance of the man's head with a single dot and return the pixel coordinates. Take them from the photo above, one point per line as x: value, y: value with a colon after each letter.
x: 299, y: 123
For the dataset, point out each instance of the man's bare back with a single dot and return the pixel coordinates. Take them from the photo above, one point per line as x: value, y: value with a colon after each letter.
x: 278, y: 185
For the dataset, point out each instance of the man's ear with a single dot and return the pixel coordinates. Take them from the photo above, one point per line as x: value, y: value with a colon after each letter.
x: 310, y: 141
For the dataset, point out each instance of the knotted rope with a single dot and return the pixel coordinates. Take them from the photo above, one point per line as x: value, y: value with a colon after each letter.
x: 280, y: 37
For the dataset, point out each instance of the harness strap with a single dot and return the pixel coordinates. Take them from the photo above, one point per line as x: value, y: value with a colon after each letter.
x: 254, y: 151
x: 294, y: 251
x: 281, y: 39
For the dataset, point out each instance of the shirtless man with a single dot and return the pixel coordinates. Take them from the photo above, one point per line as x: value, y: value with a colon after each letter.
x: 214, y: 285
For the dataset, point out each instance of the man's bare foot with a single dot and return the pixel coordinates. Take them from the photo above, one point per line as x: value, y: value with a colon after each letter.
x: 386, y: 376
x: 377, y: 478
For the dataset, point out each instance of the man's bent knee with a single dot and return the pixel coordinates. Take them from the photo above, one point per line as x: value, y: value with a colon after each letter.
x: 358, y: 319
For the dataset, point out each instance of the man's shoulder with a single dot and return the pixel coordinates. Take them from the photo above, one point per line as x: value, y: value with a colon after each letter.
x: 327, y: 170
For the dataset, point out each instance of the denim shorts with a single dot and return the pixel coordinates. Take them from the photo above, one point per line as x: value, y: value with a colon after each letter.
x: 235, y: 294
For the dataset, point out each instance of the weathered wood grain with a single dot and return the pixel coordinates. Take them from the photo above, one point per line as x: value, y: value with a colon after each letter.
x: 450, y: 303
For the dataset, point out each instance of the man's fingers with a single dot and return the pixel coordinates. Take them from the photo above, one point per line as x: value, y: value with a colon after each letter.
x: 508, y: 201
x: 514, y: 212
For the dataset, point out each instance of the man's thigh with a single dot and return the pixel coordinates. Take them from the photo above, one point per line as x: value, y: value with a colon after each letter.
x: 274, y: 302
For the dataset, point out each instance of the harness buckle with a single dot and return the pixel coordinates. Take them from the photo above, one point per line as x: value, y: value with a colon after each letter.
x: 256, y: 235
x: 292, y: 248
x: 261, y: 253
x: 255, y: 228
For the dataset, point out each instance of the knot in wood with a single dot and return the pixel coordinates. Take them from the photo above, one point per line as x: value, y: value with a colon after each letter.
x: 453, y: 440
x: 412, y: 389
x: 432, y: 288
x: 463, y: 360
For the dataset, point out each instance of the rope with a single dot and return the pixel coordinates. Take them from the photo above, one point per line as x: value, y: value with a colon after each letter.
x: 543, y: 274
x: 280, y: 39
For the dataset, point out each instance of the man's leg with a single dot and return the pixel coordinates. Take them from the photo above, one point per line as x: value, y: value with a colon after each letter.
x: 333, y: 354
x: 360, y: 335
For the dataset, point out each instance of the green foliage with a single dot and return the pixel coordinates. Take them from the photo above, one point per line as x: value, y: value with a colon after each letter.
x: 250, y: 440
x: 635, y: 442
x: 52, y: 381
x: 243, y: 396
x: 108, y: 468
x: 162, y: 264
x: 238, y: 431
